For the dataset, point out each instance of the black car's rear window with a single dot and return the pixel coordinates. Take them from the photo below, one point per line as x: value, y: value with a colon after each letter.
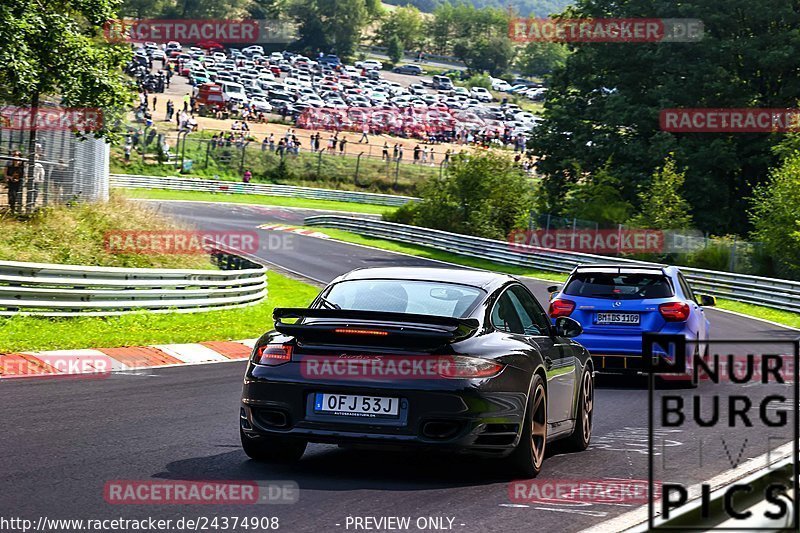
x: 405, y: 296
x: 619, y: 286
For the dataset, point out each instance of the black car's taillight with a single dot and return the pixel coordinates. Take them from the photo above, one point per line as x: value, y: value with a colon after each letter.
x: 273, y: 354
x: 465, y: 367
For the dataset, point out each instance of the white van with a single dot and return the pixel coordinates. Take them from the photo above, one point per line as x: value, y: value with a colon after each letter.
x: 233, y: 92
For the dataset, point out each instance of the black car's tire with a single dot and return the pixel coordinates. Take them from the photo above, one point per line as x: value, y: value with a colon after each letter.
x: 528, y: 456
x: 273, y: 449
x: 582, y: 436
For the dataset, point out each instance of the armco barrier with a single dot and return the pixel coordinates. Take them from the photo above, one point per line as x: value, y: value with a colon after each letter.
x: 176, y: 183
x: 769, y: 292
x: 72, y: 290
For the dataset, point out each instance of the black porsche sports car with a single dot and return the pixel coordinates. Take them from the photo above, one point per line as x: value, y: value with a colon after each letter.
x: 460, y: 360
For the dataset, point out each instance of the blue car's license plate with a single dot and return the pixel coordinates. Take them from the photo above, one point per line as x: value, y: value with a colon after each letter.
x: 617, y: 318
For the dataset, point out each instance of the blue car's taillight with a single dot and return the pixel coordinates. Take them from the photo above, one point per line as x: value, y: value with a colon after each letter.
x: 674, y: 311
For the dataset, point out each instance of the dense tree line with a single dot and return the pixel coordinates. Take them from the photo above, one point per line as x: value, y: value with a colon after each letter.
x: 602, y: 114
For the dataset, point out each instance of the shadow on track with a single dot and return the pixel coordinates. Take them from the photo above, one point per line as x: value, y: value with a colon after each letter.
x: 325, y: 467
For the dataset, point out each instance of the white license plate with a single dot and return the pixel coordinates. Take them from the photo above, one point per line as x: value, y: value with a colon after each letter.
x: 354, y: 405
x: 617, y: 318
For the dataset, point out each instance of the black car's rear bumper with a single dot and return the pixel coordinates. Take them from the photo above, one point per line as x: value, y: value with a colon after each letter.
x: 460, y: 415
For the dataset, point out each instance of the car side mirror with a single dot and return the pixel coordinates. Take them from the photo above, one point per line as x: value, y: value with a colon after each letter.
x: 568, y: 327
x: 707, y: 300
x: 553, y: 289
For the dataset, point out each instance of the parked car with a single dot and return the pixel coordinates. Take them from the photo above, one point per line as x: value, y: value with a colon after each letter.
x: 369, y: 64
x: 481, y: 94
x: 414, y: 70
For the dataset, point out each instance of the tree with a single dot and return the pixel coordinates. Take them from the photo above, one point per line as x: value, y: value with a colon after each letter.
x: 331, y: 25
x: 775, y: 215
x: 54, y: 50
x: 538, y: 59
x: 405, y: 23
x: 394, y: 49
x: 663, y: 205
x: 482, y: 54
x: 598, y: 198
x: 479, y: 194
x: 606, y: 99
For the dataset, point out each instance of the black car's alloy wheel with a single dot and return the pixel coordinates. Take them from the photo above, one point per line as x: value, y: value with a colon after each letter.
x: 528, y: 457
x: 582, y: 436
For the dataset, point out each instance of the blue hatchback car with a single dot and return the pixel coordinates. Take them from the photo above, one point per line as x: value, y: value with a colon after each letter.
x: 617, y: 304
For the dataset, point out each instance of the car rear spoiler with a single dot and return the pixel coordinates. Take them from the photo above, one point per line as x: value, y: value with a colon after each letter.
x: 347, y: 326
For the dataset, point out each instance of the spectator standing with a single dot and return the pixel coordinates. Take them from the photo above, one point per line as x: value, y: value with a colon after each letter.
x: 247, y: 176
x: 15, y: 170
x: 271, y: 141
x: 364, y: 132
x: 385, y: 155
x: 416, y: 154
x: 343, y: 145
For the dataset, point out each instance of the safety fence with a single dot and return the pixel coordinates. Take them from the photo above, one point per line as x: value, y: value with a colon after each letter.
x: 129, y: 181
x: 365, y: 166
x: 769, y: 292
x: 67, y: 168
x: 73, y: 290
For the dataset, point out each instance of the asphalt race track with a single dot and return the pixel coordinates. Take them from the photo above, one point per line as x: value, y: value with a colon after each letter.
x: 63, y: 439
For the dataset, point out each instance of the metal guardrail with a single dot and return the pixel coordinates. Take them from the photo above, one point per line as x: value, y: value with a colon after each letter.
x: 73, y: 290
x: 176, y: 183
x: 769, y: 292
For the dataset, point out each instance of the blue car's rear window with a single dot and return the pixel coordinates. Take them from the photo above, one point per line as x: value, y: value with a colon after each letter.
x: 619, y: 286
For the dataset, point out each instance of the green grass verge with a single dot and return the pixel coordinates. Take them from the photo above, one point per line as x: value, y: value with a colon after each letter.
x: 77, y: 235
x: 786, y: 318
x: 232, y: 198
x: 25, y: 333
x: 781, y: 317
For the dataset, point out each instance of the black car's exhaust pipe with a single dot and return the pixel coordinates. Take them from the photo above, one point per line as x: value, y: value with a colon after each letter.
x: 440, y: 429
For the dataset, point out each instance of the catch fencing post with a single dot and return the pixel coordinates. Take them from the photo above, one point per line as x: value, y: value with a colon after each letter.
x: 358, y: 165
